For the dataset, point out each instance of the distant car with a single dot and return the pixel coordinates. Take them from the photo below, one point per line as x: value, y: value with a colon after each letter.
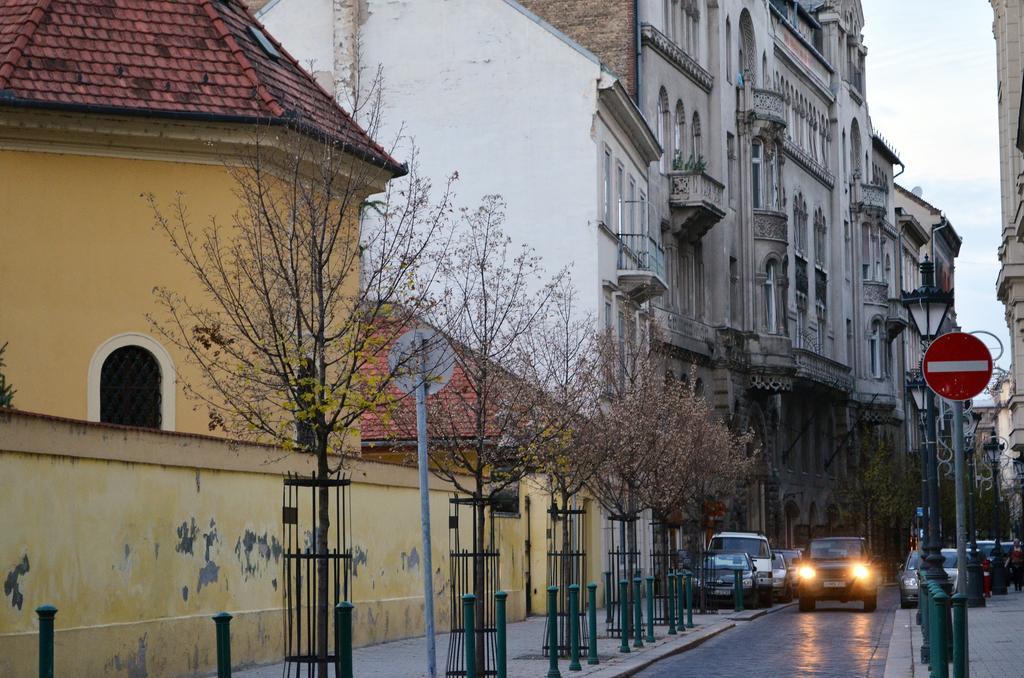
x: 837, y: 568
x: 717, y: 577
x: 791, y: 556
x: 782, y: 588
x: 908, y: 579
x: 756, y: 546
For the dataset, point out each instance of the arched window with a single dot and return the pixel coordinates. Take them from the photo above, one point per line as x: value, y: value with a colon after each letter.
x: 679, y: 141
x: 771, y: 183
x: 728, y: 50
x: 800, y: 224
x: 664, y: 127
x: 875, y: 344
x: 756, y: 173
x: 695, y: 130
x: 131, y: 381
x: 770, y: 292
x: 130, y: 388
x: 765, y: 80
x: 820, y: 239
x: 855, y: 154
x: 748, y: 49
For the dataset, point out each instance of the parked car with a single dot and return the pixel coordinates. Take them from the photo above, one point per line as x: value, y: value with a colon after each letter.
x: 792, y: 557
x: 756, y: 546
x: 908, y: 579
x: 717, y: 577
x: 837, y: 568
x: 782, y: 587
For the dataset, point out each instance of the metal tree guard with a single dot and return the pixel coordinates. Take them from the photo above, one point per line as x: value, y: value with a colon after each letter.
x: 300, y: 514
x: 664, y: 559
x: 623, y: 564
x: 567, y: 559
x: 464, y: 528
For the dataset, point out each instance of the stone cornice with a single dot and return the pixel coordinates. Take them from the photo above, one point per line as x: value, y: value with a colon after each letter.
x: 664, y: 46
x: 813, y: 167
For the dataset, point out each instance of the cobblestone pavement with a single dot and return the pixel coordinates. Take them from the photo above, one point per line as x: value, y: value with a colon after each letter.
x: 835, y: 640
x: 995, y: 640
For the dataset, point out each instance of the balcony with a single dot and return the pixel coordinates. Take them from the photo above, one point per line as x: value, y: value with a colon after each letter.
x: 896, y: 319
x: 640, y: 267
x: 768, y: 105
x: 771, y: 225
x: 687, y: 333
x: 698, y: 203
x: 874, y: 198
x: 822, y: 371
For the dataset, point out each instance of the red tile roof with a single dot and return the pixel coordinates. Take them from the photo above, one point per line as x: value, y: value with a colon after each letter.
x: 177, y: 58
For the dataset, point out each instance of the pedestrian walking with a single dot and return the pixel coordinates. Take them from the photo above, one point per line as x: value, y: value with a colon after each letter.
x: 1015, y: 561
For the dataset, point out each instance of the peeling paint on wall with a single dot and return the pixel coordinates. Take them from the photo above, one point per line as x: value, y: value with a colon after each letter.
x: 208, y: 574
x: 411, y: 561
x: 186, y: 537
x: 254, y: 552
x: 358, y: 558
x: 11, y: 583
x: 184, y: 593
x: 134, y: 664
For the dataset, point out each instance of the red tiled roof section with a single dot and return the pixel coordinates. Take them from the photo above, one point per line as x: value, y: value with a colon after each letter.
x: 163, y: 57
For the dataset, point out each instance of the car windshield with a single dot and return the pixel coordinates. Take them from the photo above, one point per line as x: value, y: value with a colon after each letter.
x: 836, y: 549
x: 752, y: 546
x: 913, y: 561
x: 778, y: 562
x: 948, y: 558
x: 726, y: 561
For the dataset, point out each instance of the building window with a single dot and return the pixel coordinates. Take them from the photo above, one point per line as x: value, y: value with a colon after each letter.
x: 822, y: 321
x: 619, y: 192
x: 875, y: 349
x: 664, y: 125
x: 607, y: 181
x: 820, y: 239
x: 130, y: 391
x: 644, y: 223
x: 679, y: 141
x: 728, y: 50
x: 771, y: 184
x: 800, y: 224
x: 756, y: 177
x: 695, y: 130
x: 631, y: 205
x: 771, y: 324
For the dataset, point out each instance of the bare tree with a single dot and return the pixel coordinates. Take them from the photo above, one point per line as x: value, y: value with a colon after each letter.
x: 301, y: 291
x: 494, y: 297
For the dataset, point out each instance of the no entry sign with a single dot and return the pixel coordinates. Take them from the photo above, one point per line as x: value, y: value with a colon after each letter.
x: 957, y: 366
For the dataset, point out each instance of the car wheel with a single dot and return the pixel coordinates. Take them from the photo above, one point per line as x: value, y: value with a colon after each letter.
x: 904, y: 603
x: 871, y: 603
x: 806, y: 604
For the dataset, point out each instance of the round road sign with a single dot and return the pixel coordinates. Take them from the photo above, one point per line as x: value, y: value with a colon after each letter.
x: 421, y: 355
x: 957, y: 366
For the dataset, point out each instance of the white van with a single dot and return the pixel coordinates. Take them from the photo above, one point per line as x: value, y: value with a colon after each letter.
x: 756, y: 546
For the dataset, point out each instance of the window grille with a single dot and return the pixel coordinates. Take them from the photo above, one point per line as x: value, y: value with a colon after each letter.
x: 130, y: 388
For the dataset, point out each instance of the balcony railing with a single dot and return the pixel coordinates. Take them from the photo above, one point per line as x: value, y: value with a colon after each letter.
x: 698, y: 202
x: 680, y: 328
x: 821, y: 370
x: 641, y: 266
x: 768, y: 105
x: 874, y: 197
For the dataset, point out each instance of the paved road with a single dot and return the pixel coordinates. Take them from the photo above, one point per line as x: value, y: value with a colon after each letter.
x: 836, y: 640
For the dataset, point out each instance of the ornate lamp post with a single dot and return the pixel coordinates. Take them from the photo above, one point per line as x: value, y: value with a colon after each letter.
x: 918, y: 390
x: 928, y: 306
x: 975, y: 573
x: 993, y: 453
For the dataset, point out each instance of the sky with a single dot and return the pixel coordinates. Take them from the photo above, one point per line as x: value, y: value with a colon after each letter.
x: 931, y: 86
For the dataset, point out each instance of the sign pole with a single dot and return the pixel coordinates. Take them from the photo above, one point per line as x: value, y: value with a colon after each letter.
x: 961, y: 500
x: 421, y: 458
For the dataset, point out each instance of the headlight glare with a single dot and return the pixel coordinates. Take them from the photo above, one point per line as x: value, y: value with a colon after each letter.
x: 860, y: 572
x: 806, y: 572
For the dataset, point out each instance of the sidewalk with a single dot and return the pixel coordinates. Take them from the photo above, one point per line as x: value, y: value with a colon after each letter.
x: 995, y: 641
x: 406, y: 658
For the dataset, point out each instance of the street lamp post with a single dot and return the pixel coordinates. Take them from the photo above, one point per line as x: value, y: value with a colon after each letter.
x: 975, y: 573
x: 918, y: 390
x: 928, y: 306
x: 1018, y: 468
x: 993, y: 453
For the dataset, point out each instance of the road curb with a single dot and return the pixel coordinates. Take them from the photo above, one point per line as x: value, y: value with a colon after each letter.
x: 633, y: 666
x: 749, y: 615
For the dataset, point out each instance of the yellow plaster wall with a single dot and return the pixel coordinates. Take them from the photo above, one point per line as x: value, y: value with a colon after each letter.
x: 104, y: 517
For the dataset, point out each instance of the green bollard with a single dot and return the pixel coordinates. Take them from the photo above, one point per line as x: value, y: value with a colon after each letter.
x: 574, y: 628
x: 689, y: 601
x: 46, y: 614
x: 737, y: 591
x: 940, y: 662
x: 959, y: 636
x: 592, y: 619
x: 624, y: 615
x: 501, y: 660
x: 638, y: 614
x: 650, y: 609
x: 926, y: 629
x: 608, y: 598
x: 671, y: 603
x: 553, y: 633
x: 223, y: 622
x: 469, y: 633
x: 343, y: 639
